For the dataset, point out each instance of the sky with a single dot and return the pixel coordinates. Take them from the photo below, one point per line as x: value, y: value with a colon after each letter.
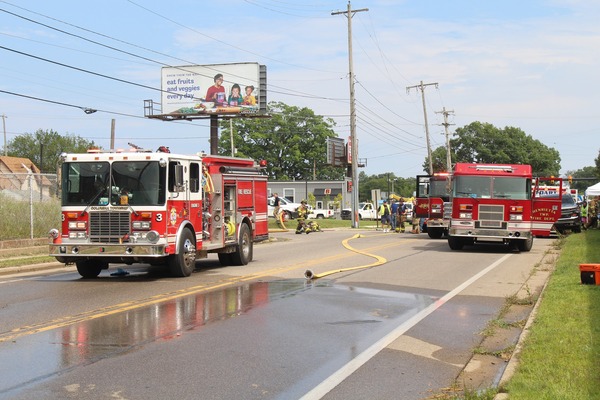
x: 526, y: 64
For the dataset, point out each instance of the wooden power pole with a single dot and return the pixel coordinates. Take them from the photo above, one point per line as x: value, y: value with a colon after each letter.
x: 446, y: 124
x: 422, y: 87
x: 349, y: 13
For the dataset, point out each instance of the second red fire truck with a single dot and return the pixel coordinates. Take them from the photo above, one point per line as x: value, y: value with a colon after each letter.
x: 158, y: 208
x: 432, y: 198
x: 491, y: 202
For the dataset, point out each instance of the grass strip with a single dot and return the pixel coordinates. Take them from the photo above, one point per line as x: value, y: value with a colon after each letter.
x: 561, y: 355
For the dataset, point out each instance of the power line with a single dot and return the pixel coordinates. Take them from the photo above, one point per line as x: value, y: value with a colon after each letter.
x: 291, y: 93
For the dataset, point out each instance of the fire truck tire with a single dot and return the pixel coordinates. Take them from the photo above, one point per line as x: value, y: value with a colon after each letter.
x: 244, y: 252
x: 525, y: 245
x: 89, y: 269
x: 435, y: 233
x: 225, y: 259
x: 455, y: 243
x: 183, y: 263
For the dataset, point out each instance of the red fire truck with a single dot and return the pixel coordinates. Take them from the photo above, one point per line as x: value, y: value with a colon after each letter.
x: 500, y: 203
x: 158, y: 208
x: 433, y: 196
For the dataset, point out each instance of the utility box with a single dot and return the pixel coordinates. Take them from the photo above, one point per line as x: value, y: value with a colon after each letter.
x: 590, y: 274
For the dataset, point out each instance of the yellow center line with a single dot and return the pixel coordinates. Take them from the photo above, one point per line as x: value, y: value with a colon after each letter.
x: 164, y: 297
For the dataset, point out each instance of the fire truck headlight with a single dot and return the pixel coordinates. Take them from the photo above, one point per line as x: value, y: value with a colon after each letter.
x: 141, y: 225
x: 152, y: 236
x: 77, y: 225
x: 516, y: 217
x: 77, y: 235
x: 54, y: 233
x: 466, y: 215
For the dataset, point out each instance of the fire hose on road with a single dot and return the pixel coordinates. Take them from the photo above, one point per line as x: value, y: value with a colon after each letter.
x: 310, y: 275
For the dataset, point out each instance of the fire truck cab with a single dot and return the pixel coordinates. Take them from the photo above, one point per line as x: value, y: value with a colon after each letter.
x: 492, y: 202
x: 433, y: 196
x: 158, y: 208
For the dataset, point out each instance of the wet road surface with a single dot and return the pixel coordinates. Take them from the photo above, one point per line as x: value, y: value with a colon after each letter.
x: 271, y: 335
x: 287, y: 336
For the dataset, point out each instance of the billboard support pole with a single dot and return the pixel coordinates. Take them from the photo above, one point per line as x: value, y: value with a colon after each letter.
x: 214, y: 135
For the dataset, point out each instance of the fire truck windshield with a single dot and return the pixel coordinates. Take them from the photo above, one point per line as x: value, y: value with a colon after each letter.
x: 136, y: 183
x: 492, y: 187
x: 439, y: 188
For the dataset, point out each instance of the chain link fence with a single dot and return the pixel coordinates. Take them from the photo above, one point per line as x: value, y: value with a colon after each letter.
x: 29, y: 205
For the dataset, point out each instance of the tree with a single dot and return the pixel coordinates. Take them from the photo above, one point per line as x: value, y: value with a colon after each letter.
x: 597, y: 161
x: 387, y: 182
x: 484, y: 143
x: 43, y: 148
x: 293, y: 141
x: 585, y: 172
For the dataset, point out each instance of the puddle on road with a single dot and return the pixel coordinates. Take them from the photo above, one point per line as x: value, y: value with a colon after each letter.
x: 35, y: 357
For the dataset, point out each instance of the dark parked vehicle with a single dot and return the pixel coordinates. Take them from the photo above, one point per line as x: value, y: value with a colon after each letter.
x: 570, y: 216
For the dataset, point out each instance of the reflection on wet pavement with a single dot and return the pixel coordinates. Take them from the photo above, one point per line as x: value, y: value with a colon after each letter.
x: 35, y: 357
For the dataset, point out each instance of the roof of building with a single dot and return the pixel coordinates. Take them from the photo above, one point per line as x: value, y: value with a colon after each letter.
x: 18, y: 165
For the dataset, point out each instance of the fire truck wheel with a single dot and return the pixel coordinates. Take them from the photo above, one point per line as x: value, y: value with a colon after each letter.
x: 455, y: 243
x: 90, y: 268
x: 225, y: 259
x: 435, y: 233
x: 183, y: 263
x: 243, y: 255
x: 525, y: 245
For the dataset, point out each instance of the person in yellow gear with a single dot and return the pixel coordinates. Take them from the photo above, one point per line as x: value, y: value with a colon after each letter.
x: 302, y: 214
x: 385, y: 212
x: 416, y: 227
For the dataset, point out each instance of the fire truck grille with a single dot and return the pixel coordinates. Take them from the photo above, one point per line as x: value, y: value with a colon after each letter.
x: 491, y: 216
x: 109, y: 227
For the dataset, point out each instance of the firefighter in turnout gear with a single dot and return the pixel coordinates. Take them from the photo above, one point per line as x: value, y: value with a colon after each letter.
x: 386, y: 215
x: 302, y: 214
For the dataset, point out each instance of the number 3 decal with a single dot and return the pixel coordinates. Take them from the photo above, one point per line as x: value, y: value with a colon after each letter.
x: 159, y: 217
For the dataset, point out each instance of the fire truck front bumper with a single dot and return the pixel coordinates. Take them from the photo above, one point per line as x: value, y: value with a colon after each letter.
x: 73, y: 252
x: 511, y: 231
x: 437, y: 223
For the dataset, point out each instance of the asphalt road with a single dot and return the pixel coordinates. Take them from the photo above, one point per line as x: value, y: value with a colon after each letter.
x: 395, y: 316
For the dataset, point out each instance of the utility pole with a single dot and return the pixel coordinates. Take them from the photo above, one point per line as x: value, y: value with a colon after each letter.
x: 112, y: 134
x: 446, y: 124
x: 349, y: 13
x: 422, y: 87
x: 4, y: 127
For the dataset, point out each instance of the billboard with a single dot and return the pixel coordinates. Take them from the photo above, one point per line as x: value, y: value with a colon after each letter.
x: 213, y: 89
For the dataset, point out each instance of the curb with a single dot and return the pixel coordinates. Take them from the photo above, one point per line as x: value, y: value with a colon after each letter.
x: 33, y: 268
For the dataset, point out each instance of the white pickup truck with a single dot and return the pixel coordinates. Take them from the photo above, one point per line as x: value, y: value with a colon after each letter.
x: 365, y: 211
x: 320, y: 213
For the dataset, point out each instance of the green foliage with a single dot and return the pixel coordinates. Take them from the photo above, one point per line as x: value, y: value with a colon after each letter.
x: 439, y: 160
x: 43, y: 148
x: 597, y: 161
x: 484, y: 143
x: 387, y: 182
x: 293, y: 141
x: 585, y: 172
